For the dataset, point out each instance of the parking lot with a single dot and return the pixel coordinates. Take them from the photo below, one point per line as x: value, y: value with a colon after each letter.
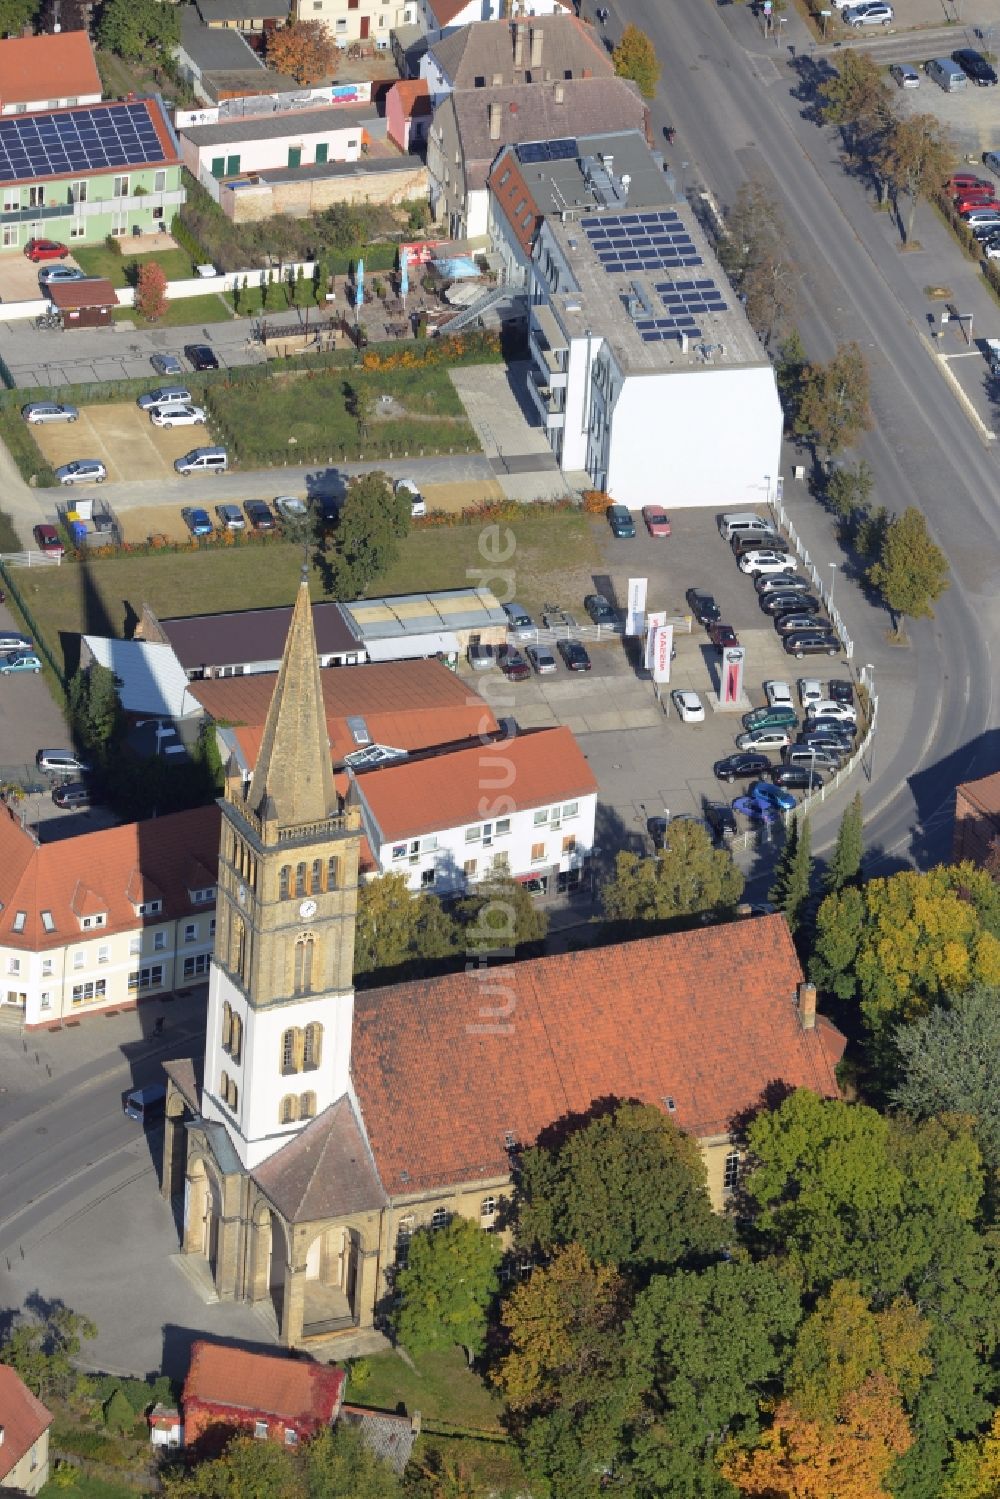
x: 19, y: 277
x: 123, y: 438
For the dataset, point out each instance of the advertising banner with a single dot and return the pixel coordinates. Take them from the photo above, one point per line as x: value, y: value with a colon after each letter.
x: 663, y: 641
x: 636, y: 606
x: 654, y: 618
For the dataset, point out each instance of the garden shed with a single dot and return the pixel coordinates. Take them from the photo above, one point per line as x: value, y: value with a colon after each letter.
x: 83, y: 304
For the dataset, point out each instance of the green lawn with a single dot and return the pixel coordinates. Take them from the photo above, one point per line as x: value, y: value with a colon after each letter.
x: 87, y: 1487
x: 554, y: 557
x: 120, y: 270
x: 207, y: 309
x: 441, y: 1387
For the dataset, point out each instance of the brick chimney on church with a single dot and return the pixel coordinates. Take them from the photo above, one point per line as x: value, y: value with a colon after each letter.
x: 806, y: 1001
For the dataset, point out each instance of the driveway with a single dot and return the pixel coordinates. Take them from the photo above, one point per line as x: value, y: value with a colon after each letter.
x: 497, y: 404
x: 19, y: 277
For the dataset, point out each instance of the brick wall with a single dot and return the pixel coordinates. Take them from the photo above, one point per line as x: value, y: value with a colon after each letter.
x: 302, y: 198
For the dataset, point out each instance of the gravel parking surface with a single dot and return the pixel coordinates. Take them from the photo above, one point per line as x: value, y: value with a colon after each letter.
x: 123, y: 438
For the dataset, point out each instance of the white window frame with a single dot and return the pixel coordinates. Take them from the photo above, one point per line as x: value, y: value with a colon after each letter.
x: 191, y: 931
x: 121, y: 185
x: 11, y: 236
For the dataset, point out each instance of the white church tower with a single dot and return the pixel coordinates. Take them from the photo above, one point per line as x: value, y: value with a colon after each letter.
x: 281, y: 997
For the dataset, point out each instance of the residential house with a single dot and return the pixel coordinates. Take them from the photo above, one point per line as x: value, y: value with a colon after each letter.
x: 471, y: 126
x: 499, y: 54
x: 24, y: 1436
x: 439, y: 819
x: 639, y: 344
x: 977, y: 819
x: 88, y: 172
x: 287, y: 139
x: 108, y: 918
x: 219, y: 64
x: 273, y: 1398
x: 408, y: 113
x: 324, y: 1127
x: 373, y: 713
x: 368, y: 23
x: 440, y: 17
x: 166, y: 1429
x: 53, y: 71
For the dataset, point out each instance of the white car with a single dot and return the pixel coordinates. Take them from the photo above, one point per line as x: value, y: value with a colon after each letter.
x: 82, y: 471
x: 872, y: 13
x: 48, y: 411
x: 177, y: 416
x: 902, y: 74
x: 810, y: 691
x: 164, y: 395
x: 845, y: 712
x: 418, y: 505
x: 778, y: 694
x: 767, y: 562
x: 763, y: 739
x: 291, y: 508
x: 689, y: 705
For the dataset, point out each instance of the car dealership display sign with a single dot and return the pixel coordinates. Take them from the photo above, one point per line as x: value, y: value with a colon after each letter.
x: 732, y: 673
x: 636, y: 606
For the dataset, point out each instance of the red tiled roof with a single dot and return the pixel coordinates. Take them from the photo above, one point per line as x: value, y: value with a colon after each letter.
x: 411, y: 705
x: 23, y: 1418
x: 96, y: 872
x: 289, y: 1388
x: 414, y: 96
x: 56, y: 66
x: 94, y: 292
x: 983, y: 794
x: 445, y: 791
x: 707, y: 1018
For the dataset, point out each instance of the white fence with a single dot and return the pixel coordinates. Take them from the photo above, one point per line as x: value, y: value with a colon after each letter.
x: 825, y: 592
x: 31, y: 559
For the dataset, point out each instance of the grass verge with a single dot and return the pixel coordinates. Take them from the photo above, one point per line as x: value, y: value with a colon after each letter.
x: 121, y: 270
x: 186, y: 310
x: 20, y: 441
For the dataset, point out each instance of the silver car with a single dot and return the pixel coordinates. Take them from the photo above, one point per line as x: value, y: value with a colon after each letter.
x: 48, y: 411
x: 164, y: 395
x: 904, y: 76
x: 876, y: 13
x: 82, y: 471
x: 52, y: 273
x: 541, y: 659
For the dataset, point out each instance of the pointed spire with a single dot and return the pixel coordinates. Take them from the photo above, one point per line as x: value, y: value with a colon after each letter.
x: 293, y: 778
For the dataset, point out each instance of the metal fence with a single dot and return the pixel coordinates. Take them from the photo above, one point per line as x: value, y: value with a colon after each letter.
x: 812, y: 572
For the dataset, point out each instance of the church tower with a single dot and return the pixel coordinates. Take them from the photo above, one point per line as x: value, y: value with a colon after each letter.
x: 281, y: 997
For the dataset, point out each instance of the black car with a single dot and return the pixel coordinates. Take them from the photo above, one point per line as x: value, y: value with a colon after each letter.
x: 810, y: 735
x: 574, y: 655
x: 974, y: 66
x: 599, y: 609
x: 201, y: 357
x: 741, y: 767
x: 796, y: 777
x: 827, y: 725
x: 791, y: 602
x: 258, y: 513
x: 703, y: 606
x: 744, y: 544
x: 721, y: 819
x: 812, y: 643
x: 841, y: 691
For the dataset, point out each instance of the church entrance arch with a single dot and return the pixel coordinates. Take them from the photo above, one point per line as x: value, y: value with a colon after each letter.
x: 203, y: 1208
x: 331, y: 1279
x: 269, y: 1260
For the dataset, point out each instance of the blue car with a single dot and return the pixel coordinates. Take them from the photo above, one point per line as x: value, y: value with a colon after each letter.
x: 24, y: 662
x: 755, y: 811
x: 197, y: 520
x: 772, y: 796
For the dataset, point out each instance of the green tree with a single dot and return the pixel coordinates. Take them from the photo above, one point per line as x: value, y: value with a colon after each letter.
x: 501, y: 916
x: 844, y: 867
x: 139, y: 30
x: 42, y: 1347
x: 628, y: 1186
x: 753, y: 257
x: 635, y: 58
x: 710, y: 1350
x: 105, y: 719
x: 275, y: 296
x: 339, y: 1465
x: 789, y: 372
x: 915, y: 158
x: 948, y: 1064
x: 451, y: 1276
x: 564, y: 1375
x: 858, y: 100
x: 372, y: 521
x: 248, y: 1469
x: 690, y: 876
x: 848, y: 492
x: 900, y: 943
x: 790, y: 889
x: 15, y: 15
x: 975, y: 1468
x: 303, y: 294
x: 833, y: 407
x: 118, y: 1414
x: 911, y: 572
x: 397, y: 930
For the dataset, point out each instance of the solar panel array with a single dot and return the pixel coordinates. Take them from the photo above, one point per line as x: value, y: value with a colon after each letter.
x: 564, y: 150
x: 65, y: 141
x: 656, y: 241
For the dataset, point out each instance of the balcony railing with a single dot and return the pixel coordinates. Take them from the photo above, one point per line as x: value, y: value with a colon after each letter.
x: 134, y: 203
x: 548, y: 401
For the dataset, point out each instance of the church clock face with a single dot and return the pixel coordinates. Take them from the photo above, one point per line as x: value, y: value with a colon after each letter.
x: 307, y: 909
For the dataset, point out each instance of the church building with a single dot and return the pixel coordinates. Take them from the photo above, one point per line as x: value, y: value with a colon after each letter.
x: 323, y: 1127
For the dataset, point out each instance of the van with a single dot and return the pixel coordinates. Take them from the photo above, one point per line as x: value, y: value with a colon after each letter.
x: 991, y: 159
x: 745, y: 523
x: 146, y: 1104
x: 946, y: 74
x: 203, y: 461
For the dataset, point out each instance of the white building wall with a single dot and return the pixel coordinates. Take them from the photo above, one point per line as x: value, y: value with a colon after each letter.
x: 344, y: 144
x: 579, y: 398
x: 477, y: 204
x: 700, y: 437
x: 437, y: 80
x: 39, y: 104
x: 255, y: 1128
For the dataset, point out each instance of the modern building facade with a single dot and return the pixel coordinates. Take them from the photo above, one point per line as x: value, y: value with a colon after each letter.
x: 82, y: 174
x: 646, y: 373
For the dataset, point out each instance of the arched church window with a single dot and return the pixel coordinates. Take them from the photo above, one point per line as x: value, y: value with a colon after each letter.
x: 227, y: 1025
x: 307, y: 1105
x: 289, y: 1051
x: 236, y: 1038
x: 284, y: 881
x: 331, y: 874
x: 303, y: 965
x: 312, y: 1051
x: 316, y: 879
x: 300, y: 879
x: 289, y: 1109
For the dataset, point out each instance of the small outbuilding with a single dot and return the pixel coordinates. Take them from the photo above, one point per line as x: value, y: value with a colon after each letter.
x: 83, y: 304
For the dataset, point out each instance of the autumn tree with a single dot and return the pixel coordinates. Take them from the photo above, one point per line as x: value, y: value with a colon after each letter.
x: 790, y: 888
x: 303, y: 49
x: 915, y: 158
x: 450, y: 1278
x: 396, y: 930
x: 752, y: 255
x: 635, y: 58
x: 564, y: 1374
x: 849, y: 1458
x: 975, y: 1467
x: 911, y: 571
x: 248, y: 1468
x: 947, y: 1062
x: 858, y: 100
x: 845, y: 861
x: 833, y: 406
x: 42, y: 1347
x: 500, y: 916
x: 627, y: 1185
x: 901, y: 942
x: 690, y: 876
x: 151, y: 291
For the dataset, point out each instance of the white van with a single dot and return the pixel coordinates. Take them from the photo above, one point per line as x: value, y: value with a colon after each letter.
x: 946, y: 74
x: 203, y: 461
x: 745, y: 523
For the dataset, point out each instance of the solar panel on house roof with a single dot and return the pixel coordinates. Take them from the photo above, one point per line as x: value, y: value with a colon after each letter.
x: 642, y: 241
x: 691, y: 296
x: 561, y: 150
x: 77, y: 140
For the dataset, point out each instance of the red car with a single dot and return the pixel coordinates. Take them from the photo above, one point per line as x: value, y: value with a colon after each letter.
x: 962, y: 180
x: 47, y: 538
x: 657, y: 523
x: 45, y: 249
x: 722, y: 635
x: 976, y: 200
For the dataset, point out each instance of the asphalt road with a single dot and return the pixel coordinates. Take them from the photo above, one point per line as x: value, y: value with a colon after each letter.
x: 923, y: 450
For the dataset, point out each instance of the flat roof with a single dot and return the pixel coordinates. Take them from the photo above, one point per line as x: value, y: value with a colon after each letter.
x: 576, y: 195
x: 424, y: 613
x: 215, y: 47
x: 291, y: 123
x: 252, y: 635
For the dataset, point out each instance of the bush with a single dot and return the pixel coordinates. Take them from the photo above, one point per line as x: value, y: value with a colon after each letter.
x: 187, y: 241
x: 595, y: 501
x: 113, y: 244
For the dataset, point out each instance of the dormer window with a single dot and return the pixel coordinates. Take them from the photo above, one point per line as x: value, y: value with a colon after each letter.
x: 203, y: 896
x: 20, y: 917
x: 48, y: 922
x: 100, y: 919
x: 148, y: 908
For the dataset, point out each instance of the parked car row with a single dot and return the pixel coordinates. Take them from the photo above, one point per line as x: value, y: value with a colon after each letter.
x: 256, y: 514
x: 783, y: 594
